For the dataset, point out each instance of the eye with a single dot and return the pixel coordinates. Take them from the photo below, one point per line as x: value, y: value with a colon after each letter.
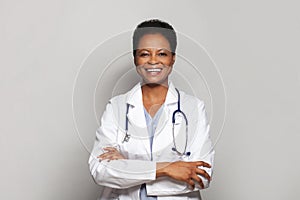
x: 162, y: 54
x: 144, y: 54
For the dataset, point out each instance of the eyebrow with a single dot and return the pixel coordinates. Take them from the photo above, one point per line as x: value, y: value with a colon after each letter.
x: 157, y: 49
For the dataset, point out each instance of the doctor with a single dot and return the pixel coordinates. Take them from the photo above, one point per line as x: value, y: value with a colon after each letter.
x: 138, y: 152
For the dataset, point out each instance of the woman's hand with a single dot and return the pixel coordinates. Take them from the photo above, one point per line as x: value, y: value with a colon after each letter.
x: 111, y: 154
x: 184, y: 171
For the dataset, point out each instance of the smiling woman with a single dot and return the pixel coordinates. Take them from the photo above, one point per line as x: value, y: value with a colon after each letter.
x: 154, y: 62
x: 153, y: 59
x: 152, y: 159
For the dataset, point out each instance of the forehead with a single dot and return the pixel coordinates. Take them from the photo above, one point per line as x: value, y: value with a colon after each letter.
x: 155, y: 40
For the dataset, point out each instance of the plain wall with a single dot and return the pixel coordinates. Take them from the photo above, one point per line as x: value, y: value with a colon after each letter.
x: 255, y: 45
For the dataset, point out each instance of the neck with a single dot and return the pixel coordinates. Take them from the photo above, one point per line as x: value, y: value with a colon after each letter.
x: 155, y: 93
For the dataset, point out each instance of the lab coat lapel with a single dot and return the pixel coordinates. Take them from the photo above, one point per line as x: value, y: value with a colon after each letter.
x: 161, y: 139
x: 171, y: 99
x: 136, y: 117
x: 136, y: 111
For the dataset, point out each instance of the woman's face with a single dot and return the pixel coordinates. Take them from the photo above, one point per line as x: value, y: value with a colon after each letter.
x: 154, y: 59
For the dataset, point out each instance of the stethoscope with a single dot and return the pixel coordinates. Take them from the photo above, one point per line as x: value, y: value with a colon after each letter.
x: 127, y: 135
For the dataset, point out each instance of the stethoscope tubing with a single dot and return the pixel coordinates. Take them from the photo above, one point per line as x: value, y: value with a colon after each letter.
x: 127, y: 135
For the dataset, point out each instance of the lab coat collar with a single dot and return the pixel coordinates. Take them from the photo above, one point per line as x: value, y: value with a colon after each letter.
x: 135, y: 96
x: 136, y: 115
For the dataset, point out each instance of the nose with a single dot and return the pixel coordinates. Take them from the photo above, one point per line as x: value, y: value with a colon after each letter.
x: 153, y: 60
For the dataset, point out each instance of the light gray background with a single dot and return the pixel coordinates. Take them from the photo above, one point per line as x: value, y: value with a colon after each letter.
x: 254, y: 43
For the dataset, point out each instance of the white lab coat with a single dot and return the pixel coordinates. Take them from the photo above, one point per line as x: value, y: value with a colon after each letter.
x: 122, y: 178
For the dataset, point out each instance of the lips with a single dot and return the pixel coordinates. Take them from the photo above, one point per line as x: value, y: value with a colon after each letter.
x: 154, y: 70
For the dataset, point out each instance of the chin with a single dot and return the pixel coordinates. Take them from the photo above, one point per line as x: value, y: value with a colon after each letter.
x: 155, y: 82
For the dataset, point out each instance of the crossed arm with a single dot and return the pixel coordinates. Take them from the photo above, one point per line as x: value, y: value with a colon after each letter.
x: 181, y: 171
x: 124, y: 173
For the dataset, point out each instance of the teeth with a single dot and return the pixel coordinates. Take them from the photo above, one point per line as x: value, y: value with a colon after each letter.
x: 153, y: 70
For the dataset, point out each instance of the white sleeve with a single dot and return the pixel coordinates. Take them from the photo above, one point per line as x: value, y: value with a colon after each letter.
x: 122, y: 173
x: 202, y: 150
x: 202, y: 146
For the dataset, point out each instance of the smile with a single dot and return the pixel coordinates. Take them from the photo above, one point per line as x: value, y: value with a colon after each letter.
x: 153, y: 70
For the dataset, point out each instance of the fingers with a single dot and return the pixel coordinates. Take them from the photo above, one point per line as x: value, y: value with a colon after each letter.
x: 203, y: 164
x: 104, y: 156
x: 192, y: 180
x: 198, y: 180
x: 110, y: 149
x: 194, y: 177
x: 191, y: 183
x: 189, y: 172
x: 203, y: 173
x: 109, y: 157
x: 196, y: 164
x: 110, y: 154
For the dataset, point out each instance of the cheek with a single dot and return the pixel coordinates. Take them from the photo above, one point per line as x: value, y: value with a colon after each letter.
x: 139, y: 71
x: 139, y: 61
x: 170, y: 69
x: 168, y: 62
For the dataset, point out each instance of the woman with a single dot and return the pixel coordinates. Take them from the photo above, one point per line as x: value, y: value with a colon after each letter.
x: 139, y: 153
